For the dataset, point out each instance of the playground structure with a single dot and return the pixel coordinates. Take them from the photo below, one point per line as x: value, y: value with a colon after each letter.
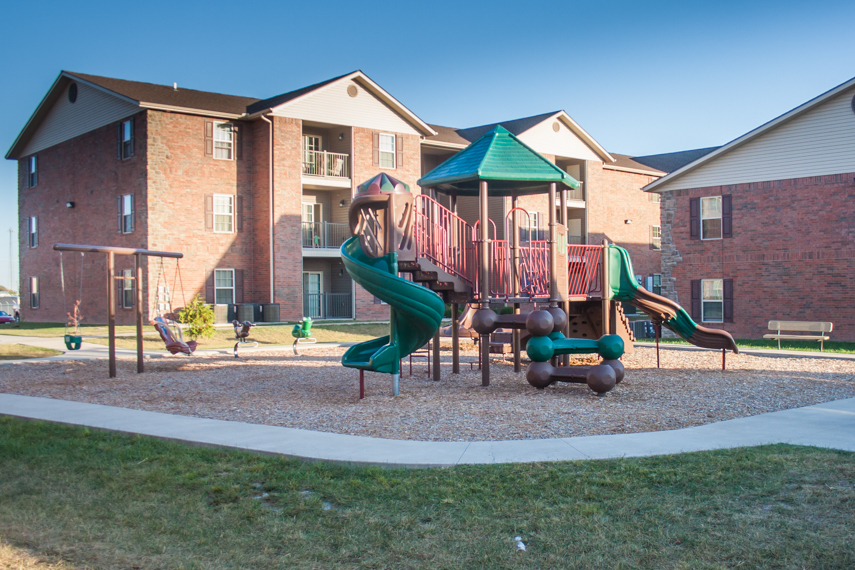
x: 302, y: 334
x: 573, y: 287
x: 111, y: 252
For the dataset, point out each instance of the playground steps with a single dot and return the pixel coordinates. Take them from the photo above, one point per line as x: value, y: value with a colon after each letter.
x: 586, y: 321
x: 452, y: 289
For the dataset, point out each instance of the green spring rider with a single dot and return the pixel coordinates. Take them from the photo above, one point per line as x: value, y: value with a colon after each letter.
x: 302, y: 333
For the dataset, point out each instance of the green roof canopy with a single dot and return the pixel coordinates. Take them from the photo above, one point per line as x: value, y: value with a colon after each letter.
x: 505, y: 162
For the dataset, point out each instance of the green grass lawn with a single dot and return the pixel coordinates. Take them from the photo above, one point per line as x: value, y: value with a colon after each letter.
x: 265, y: 335
x: 18, y: 351
x: 830, y: 346
x: 115, y: 501
x: 56, y: 329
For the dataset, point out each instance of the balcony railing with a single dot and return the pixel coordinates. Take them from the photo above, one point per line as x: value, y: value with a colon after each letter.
x: 576, y: 194
x: 327, y: 305
x: 325, y: 234
x: 325, y: 164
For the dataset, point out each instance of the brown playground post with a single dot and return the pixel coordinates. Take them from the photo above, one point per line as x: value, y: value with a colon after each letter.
x: 362, y: 384
x: 658, y: 329
x: 484, y: 284
x: 455, y: 339
x: 435, y: 355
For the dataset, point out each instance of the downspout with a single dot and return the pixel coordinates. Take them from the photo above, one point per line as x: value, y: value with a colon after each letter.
x: 270, y: 205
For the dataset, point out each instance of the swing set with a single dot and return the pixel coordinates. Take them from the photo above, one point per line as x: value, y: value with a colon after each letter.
x: 160, y: 323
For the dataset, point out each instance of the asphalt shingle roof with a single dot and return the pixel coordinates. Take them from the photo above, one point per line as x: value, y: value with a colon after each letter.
x: 671, y: 161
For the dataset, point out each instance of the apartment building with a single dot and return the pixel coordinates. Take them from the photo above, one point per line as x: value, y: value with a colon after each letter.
x: 255, y: 192
x: 762, y: 228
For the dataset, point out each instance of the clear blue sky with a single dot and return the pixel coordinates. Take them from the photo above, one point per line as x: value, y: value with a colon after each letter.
x: 640, y: 77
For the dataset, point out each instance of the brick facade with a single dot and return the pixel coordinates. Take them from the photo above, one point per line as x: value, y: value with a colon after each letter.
x: 791, y: 257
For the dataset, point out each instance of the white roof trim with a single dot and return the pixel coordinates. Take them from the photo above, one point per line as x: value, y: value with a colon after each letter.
x: 441, y: 144
x: 581, y: 133
x: 633, y: 170
x: 378, y: 91
x: 190, y: 111
x: 749, y: 136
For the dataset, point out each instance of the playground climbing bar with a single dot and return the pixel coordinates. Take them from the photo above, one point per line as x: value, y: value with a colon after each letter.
x: 111, y: 252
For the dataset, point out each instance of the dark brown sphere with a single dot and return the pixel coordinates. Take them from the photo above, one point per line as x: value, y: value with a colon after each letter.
x: 539, y: 374
x: 559, y: 318
x: 601, y: 378
x: 619, y: 369
x: 484, y: 321
x: 539, y: 323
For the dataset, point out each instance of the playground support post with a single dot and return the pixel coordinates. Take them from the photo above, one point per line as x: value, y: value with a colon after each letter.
x: 553, y: 256
x: 607, y: 305
x: 111, y: 312
x: 455, y: 339
x: 658, y: 327
x: 484, y: 281
x: 565, y: 359
x: 138, y: 288
x: 515, y: 268
x: 435, y: 355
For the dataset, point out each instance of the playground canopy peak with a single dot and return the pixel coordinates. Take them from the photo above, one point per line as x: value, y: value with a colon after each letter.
x: 501, y: 159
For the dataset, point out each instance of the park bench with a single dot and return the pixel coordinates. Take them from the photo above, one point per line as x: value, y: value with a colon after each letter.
x: 803, y: 327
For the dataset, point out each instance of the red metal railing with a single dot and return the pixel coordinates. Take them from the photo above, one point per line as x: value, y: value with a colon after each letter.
x: 583, y: 267
x: 444, y: 238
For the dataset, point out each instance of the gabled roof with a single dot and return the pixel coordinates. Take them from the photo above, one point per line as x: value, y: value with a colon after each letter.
x: 670, y: 161
x: 632, y: 164
x: 517, y: 127
x: 657, y: 185
x: 280, y: 101
x: 504, y: 161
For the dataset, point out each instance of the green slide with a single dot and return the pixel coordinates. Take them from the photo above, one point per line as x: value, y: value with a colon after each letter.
x: 624, y: 287
x: 415, y: 311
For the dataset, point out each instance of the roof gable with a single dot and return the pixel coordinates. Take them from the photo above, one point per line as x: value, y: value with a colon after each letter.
x: 501, y: 158
x: 352, y: 99
x: 811, y: 140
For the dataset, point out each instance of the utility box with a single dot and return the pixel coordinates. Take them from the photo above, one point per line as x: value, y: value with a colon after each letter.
x: 270, y: 312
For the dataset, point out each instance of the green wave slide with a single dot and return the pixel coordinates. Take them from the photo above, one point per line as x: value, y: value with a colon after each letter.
x: 624, y: 287
x: 415, y: 311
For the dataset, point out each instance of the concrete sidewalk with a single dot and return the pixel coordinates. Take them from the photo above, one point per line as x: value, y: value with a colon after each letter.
x: 830, y: 425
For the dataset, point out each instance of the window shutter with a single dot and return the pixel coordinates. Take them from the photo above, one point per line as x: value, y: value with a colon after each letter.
x: 209, y: 212
x: 696, y: 300
x: 119, y: 213
x: 728, y: 301
x: 36, y: 235
x: 238, y: 140
x: 119, y: 141
x: 239, y: 213
x: 209, y: 289
x: 727, y: 216
x: 238, y: 285
x: 377, y: 300
x: 694, y: 218
x: 209, y: 138
x: 133, y: 212
x: 30, y: 292
x: 131, y: 146
x: 399, y: 151
x: 375, y: 148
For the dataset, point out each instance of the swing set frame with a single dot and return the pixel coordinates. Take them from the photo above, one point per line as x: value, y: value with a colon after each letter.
x: 111, y: 253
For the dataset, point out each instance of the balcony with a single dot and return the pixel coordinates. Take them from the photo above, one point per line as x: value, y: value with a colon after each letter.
x: 324, y: 235
x: 327, y: 305
x: 325, y: 164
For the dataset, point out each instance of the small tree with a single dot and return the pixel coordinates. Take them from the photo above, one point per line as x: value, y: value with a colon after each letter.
x: 199, y: 316
x: 74, y: 318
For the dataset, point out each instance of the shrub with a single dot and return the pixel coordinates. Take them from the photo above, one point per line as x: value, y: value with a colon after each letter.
x: 199, y: 316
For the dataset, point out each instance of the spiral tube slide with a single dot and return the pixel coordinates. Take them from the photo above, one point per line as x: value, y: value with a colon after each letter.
x: 415, y: 311
x: 624, y: 287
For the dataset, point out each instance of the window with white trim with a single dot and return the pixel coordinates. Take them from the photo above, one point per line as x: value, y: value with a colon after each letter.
x: 224, y: 141
x: 32, y: 171
x: 127, y: 213
x: 655, y: 237
x: 224, y: 286
x: 128, y: 289
x: 33, y: 233
x: 387, y: 150
x: 224, y: 213
x: 34, y: 292
x: 712, y: 300
x: 711, y: 217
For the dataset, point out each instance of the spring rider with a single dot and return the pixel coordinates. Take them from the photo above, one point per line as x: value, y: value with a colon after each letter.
x: 302, y: 333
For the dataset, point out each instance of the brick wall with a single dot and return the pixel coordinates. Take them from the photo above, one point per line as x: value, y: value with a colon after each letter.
x: 83, y: 170
x: 287, y: 248
x: 791, y: 257
x: 613, y: 197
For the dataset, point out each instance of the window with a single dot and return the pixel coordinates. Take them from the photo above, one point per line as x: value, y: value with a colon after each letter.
x: 33, y: 226
x: 223, y: 213
x: 655, y: 237
x: 32, y: 171
x: 224, y: 286
x: 34, y: 292
x: 223, y: 141
x: 126, y: 213
x: 126, y: 139
x: 387, y: 151
x: 712, y: 300
x: 655, y: 196
x: 654, y: 283
x: 711, y: 218
x: 128, y: 289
